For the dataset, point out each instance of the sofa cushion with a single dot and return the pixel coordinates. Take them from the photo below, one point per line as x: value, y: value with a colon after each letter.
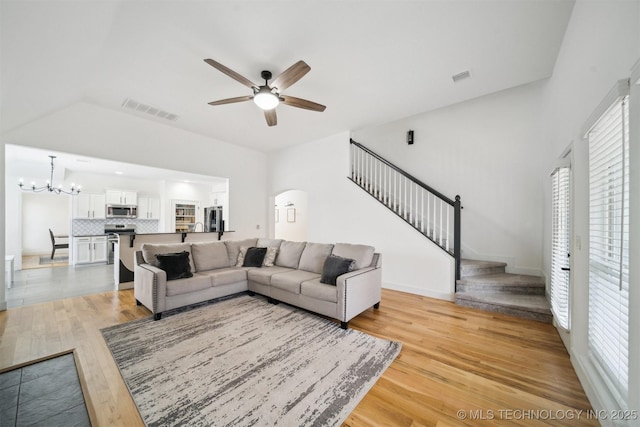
x: 176, y: 265
x: 289, y: 254
x: 313, y: 256
x: 361, y: 254
x: 226, y: 276
x: 209, y: 255
x: 269, y: 243
x: 185, y: 286
x: 291, y: 280
x: 233, y: 248
x: 335, y: 266
x: 315, y: 289
x: 263, y: 275
x: 254, y: 257
x: 150, y: 250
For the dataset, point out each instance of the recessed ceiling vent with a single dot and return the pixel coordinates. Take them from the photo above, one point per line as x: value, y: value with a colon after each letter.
x: 143, y: 108
x: 461, y: 76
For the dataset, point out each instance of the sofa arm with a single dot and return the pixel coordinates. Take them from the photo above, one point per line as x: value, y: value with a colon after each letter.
x: 150, y: 287
x: 357, y: 291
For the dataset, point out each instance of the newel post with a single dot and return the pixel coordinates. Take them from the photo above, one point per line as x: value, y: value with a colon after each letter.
x: 457, y: 249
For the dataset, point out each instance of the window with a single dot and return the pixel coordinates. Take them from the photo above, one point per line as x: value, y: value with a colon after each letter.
x: 560, y: 240
x: 609, y: 244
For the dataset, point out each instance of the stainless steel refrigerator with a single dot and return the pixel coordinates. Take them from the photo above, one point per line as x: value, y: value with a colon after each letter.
x: 213, y: 219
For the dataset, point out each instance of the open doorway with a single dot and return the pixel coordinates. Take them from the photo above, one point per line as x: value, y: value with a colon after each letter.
x: 291, y: 216
x: 42, y: 212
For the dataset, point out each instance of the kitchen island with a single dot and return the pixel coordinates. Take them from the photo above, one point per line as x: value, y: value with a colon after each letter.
x: 127, y: 245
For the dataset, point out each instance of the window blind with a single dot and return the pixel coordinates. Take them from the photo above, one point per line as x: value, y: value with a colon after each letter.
x: 609, y: 246
x: 560, y: 240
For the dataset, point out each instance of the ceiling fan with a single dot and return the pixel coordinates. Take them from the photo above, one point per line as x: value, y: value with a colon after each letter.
x: 268, y: 96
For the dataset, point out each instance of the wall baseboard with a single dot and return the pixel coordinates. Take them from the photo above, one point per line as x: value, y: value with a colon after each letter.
x: 447, y: 296
x: 600, y: 398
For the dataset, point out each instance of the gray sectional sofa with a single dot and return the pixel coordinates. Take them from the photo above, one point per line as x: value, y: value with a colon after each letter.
x: 292, y: 272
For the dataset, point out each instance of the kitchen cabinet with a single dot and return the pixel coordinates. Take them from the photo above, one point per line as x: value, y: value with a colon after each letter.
x: 148, y: 207
x: 90, y: 249
x: 118, y: 197
x: 89, y: 206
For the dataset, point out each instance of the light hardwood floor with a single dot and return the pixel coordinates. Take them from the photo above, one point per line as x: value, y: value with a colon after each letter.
x: 495, y: 369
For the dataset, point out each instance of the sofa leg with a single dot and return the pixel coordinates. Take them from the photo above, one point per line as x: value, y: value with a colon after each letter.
x: 273, y: 301
x: 157, y: 316
x: 344, y: 325
x: 376, y: 305
x: 138, y: 302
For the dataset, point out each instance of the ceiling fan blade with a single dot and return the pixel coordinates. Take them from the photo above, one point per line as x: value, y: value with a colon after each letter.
x: 272, y: 118
x: 232, y: 100
x: 229, y: 72
x: 291, y: 75
x: 302, y: 103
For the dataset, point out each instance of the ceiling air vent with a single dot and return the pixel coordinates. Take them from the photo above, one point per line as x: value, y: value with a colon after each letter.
x: 460, y: 76
x: 143, y: 108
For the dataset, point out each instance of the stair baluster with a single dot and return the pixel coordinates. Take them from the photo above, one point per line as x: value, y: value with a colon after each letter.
x: 437, y: 218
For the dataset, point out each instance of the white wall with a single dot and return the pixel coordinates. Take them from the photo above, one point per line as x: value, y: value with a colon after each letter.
x: 41, y: 212
x: 3, y: 285
x: 339, y: 211
x: 90, y: 130
x: 487, y: 151
x: 297, y: 230
x: 601, y: 45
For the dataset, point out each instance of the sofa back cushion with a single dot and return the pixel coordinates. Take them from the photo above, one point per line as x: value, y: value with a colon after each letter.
x: 269, y: 243
x: 289, y: 254
x: 150, y: 250
x: 314, y: 256
x: 361, y: 254
x: 210, y: 255
x: 233, y: 248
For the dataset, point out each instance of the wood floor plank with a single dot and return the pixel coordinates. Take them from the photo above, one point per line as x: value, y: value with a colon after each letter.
x: 453, y: 359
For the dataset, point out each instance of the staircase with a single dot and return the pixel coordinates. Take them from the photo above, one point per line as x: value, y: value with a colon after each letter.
x: 485, y: 285
x: 479, y: 284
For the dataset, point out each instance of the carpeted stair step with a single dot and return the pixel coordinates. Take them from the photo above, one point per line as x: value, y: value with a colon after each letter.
x: 519, y: 284
x: 532, y: 307
x: 469, y: 267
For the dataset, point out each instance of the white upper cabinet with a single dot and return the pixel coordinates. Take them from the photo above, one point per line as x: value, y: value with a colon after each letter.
x: 148, y: 207
x: 118, y: 197
x: 89, y: 206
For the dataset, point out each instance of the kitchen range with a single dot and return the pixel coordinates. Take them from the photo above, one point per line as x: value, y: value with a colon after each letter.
x: 113, y: 232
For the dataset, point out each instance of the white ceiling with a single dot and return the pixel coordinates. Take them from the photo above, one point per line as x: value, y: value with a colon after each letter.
x: 371, y: 61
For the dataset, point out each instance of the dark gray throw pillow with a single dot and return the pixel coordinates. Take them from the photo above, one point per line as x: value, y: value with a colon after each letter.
x: 335, y: 266
x: 176, y: 265
x: 254, y: 257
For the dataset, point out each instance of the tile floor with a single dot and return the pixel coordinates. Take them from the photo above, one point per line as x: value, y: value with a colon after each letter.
x: 44, y: 393
x: 33, y: 286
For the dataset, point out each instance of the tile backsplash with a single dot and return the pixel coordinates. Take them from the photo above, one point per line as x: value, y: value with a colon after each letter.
x: 83, y: 227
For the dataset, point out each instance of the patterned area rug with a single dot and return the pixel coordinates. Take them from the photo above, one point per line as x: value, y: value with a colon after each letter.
x: 245, y: 362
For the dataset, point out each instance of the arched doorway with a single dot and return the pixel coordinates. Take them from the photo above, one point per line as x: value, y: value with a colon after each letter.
x: 291, y: 216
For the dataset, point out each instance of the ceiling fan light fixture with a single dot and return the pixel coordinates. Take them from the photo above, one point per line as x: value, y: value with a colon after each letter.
x: 266, y: 99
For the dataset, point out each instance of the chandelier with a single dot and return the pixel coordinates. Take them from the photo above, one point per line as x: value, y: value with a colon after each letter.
x: 49, y: 185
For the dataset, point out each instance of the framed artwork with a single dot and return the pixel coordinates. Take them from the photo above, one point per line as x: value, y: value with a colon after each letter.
x: 277, y: 215
x: 291, y: 215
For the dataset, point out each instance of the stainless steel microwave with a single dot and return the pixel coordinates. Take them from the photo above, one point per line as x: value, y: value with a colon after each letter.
x: 122, y: 211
